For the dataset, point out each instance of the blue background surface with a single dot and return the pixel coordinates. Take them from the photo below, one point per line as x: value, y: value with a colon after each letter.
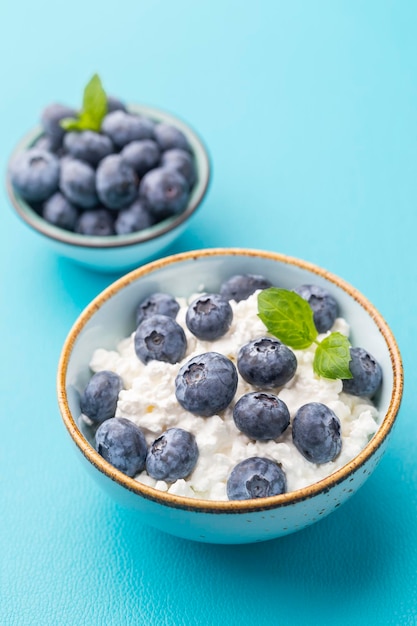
x: 309, y: 112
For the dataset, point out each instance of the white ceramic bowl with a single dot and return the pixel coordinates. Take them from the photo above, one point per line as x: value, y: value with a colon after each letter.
x: 110, y: 317
x: 118, y: 252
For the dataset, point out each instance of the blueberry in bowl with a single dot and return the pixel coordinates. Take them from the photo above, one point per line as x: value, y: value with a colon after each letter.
x: 109, y: 185
x: 256, y: 424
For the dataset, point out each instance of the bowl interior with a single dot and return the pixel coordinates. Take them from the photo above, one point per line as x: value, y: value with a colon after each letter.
x: 111, y: 317
x: 32, y: 218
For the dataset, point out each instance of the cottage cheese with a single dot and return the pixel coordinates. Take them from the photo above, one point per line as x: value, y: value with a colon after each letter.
x: 148, y: 399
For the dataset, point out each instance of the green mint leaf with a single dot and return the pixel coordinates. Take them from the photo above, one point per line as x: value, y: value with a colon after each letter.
x: 94, y: 102
x: 288, y: 317
x: 332, y: 357
x: 93, y: 110
x: 70, y: 123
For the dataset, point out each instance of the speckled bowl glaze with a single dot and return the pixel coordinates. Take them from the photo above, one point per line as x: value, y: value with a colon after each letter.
x: 118, y: 252
x: 110, y: 317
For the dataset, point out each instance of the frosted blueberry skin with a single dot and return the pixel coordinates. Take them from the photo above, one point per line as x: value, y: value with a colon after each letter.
x: 120, y: 442
x: 122, y: 127
x: 266, y: 362
x: 34, y: 174
x: 45, y: 142
x: 157, y: 303
x: 99, y: 399
x: 182, y: 162
x: 366, y: 372
x: 325, y: 307
x: 165, y: 192
x: 78, y: 183
x: 59, y: 211
x: 206, y: 384
x: 114, y: 104
x: 88, y: 146
x: 316, y: 433
x: 160, y: 338
x: 173, y: 455
x: 261, y: 416
x: 136, y: 217
x: 209, y: 317
x: 51, y: 118
x: 116, y: 182
x: 170, y: 137
x: 256, y: 477
x: 241, y: 286
x: 142, y: 156
x: 97, y: 223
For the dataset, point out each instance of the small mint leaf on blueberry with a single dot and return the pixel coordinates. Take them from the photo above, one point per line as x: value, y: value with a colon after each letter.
x: 93, y: 110
x: 288, y: 317
x: 332, y: 357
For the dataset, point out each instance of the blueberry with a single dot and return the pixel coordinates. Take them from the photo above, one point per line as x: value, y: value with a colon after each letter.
x: 182, y: 162
x: 51, y: 117
x: 209, y: 317
x: 160, y: 338
x: 261, y: 416
x: 116, y: 182
x: 114, y: 104
x: 241, y: 286
x: 99, y: 399
x: 169, y: 137
x: 256, y: 477
x: 316, y: 433
x: 206, y: 384
x: 34, y: 174
x: 157, y: 303
x: 266, y: 362
x: 97, y: 223
x: 78, y: 183
x: 122, y: 127
x: 325, y: 308
x: 59, y: 211
x: 173, y: 455
x: 366, y: 372
x: 135, y: 217
x: 120, y: 442
x: 165, y: 191
x: 45, y: 142
x: 142, y: 156
x: 88, y: 146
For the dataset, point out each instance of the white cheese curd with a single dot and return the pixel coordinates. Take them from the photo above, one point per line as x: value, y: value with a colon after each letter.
x: 148, y: 399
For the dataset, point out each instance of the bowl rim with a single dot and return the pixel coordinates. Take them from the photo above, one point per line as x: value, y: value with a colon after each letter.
x: 229, y: 506
x: 35, y: 221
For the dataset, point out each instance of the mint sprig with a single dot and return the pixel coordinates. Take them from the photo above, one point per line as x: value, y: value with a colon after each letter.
x: 93, y: 110
x: 289, y: 317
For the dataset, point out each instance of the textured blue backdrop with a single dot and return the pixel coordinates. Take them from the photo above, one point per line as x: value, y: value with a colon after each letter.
x: 309, y: 112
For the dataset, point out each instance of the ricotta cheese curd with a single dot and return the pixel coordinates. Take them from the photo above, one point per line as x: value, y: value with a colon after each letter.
x: 148, y: 399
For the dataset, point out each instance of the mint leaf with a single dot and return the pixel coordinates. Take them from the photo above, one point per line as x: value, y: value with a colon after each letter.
x: 95, y: 101
x: 288, y: 317
x: 70, y: 123
x: 93, y: 110
x: 332, y: 357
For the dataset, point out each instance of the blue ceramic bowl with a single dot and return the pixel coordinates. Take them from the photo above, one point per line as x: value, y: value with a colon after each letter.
x: 118, y: 252
x: 110, y: 317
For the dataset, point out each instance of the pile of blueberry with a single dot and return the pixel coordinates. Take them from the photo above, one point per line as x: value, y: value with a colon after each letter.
x: 128, y: 176
x: 206, y: 385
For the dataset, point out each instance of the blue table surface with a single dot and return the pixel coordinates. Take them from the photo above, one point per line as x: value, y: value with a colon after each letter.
x: 309, y: 112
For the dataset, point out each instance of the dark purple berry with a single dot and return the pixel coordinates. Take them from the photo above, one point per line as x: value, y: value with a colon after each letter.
x: 316, y: 433
x: 256, y: 477
x: 172, y: 456
x: 366, y: 374
x: 120, y: 442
